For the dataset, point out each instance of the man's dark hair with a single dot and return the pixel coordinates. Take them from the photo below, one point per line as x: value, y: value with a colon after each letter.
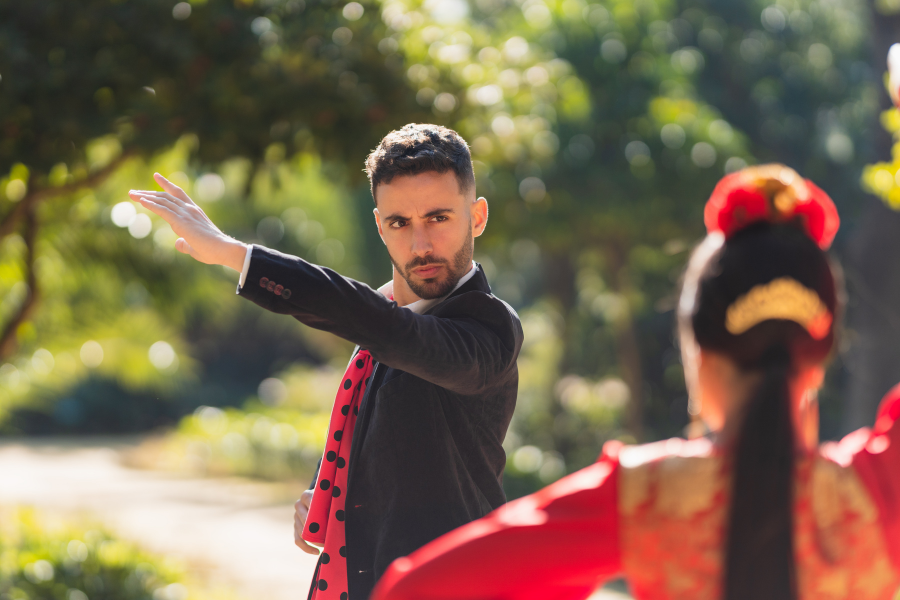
x: 420, y: 148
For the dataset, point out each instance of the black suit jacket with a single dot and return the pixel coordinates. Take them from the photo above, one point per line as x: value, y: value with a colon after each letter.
x: 426, y: 454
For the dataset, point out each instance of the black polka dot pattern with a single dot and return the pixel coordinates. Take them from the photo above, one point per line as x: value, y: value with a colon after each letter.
x: 327, y: 508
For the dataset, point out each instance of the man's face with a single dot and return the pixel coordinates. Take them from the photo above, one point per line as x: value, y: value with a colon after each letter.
x: 428, y: 226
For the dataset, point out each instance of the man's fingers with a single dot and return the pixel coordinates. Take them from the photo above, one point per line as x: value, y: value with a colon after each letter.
x: 171, y: 188
x: 167, y: 214
x: 298, y: 539
x: 167, y: 200
x: 306, y: 547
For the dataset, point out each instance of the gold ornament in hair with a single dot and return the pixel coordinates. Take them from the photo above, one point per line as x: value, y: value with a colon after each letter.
x: 781, y: 185
x: 783, y: 298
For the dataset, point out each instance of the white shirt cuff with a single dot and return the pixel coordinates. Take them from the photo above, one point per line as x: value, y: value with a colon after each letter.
x: 246, y: 266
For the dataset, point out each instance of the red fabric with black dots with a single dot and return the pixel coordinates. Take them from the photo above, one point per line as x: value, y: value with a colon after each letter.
x: 325, y: 522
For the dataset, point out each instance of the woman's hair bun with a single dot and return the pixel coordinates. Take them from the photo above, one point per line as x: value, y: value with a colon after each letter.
x: 771, y: 193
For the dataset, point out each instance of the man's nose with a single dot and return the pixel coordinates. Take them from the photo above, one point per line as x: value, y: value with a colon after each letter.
x: 421, y: 241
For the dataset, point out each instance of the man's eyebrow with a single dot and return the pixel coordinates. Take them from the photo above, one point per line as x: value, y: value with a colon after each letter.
x: 428, y: 215
x: 396, y: 217
x: 437, y: 211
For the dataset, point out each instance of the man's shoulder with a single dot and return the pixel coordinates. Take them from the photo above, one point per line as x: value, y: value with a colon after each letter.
x: 479, y: 305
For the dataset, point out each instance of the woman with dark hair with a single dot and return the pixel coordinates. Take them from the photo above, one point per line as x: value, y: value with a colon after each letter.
x: 756, y: 509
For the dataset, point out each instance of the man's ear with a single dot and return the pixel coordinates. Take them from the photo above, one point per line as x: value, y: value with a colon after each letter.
x: 479, y: 216
x: 378, y: 225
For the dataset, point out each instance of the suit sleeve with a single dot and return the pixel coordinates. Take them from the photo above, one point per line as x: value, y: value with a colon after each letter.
x: 876, y: 459
x: 466, y: 350
x: 560, y: 543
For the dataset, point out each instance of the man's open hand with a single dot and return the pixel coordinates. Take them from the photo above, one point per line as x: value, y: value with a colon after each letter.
x: 301, y: 511
x: 197, y: 235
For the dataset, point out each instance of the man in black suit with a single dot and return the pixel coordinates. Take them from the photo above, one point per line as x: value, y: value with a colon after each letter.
x: 426, y: 454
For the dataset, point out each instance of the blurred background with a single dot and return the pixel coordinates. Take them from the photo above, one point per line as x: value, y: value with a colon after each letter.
x: 598, y: 130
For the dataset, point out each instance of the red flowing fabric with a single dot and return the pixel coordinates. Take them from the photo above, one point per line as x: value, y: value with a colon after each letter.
x: 325, y: 522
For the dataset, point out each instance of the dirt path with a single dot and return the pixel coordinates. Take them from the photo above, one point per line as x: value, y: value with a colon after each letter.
x: 238, y: 532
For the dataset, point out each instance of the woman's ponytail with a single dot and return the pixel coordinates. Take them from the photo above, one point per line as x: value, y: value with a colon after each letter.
x: 760, y: 551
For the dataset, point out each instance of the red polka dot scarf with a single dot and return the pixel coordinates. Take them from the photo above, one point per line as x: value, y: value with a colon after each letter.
x: 325, y: 522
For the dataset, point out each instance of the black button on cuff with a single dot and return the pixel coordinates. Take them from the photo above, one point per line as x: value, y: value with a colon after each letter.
x: 286, y: 294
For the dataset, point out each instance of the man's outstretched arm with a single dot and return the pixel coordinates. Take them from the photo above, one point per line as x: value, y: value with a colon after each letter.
x: 464, y: 354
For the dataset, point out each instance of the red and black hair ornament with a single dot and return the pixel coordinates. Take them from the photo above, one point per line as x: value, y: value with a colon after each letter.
x: 771, y: 193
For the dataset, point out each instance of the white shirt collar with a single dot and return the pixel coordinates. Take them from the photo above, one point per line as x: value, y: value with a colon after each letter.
x: 421, y: 306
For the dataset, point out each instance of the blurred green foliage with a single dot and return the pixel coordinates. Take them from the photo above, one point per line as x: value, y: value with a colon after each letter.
x: 883, y: 178
x: 279, y: 434
x: 62, y: 562
x: 597, y: 128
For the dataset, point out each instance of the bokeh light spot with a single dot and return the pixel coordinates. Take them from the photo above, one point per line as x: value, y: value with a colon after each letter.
x: 353, y: 11
x: 342, y: 36
x: 15, y: 190
x: 181, y: 11
x: 703, y: 155
x: 613, y: 51
x: 272, y: 391
x: 91, y: 354
x: 445, y: 102
x: 672, y: 136
x: 532, y: 190
x: 162, y: 355
x: 528, y: 459
x: 210, y: 187
x: 140, y: 226
x: 123, y: 213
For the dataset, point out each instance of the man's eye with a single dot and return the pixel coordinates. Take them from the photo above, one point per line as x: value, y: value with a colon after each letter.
x: 440, y: 218
x: 398, y: 224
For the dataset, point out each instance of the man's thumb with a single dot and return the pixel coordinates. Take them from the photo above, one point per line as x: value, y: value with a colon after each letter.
x: 182, y: 246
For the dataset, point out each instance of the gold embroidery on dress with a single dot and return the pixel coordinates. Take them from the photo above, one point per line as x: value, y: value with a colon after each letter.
x: 673, y: 517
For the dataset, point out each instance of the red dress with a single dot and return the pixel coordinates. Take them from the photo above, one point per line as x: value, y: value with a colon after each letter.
x: 656, y: 515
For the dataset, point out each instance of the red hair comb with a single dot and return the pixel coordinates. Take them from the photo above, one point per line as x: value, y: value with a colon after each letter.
x: 774, y: 194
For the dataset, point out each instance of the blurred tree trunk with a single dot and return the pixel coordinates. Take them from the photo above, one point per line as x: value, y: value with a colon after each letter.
x: 23, y: 216
x: 9, y: 334
x: 873, y: 277
x: 627, y: 349
x: 559, y: 276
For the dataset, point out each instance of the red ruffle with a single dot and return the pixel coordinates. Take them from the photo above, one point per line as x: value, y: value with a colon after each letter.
x: 736, y: 203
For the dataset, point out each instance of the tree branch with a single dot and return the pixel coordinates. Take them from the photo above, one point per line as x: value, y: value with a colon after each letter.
x: 11, y: 220
x: 8, y: 338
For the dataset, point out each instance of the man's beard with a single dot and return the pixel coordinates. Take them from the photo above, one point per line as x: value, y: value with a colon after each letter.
x: 429, y: 289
